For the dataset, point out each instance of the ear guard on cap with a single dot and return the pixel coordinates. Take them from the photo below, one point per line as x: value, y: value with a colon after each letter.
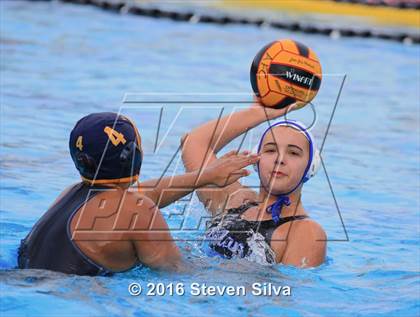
x: 315, y: 165
x: 131, y: 158
x: 86, y: 164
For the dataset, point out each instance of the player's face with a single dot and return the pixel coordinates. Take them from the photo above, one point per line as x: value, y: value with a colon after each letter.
x: 284, y: 158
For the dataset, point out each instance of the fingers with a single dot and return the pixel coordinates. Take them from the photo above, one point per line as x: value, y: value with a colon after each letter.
x: 234, y: 152
x: 237, y: 175
x: 247, y: 160
x: 241, y: 160
x: 229, y: 154
x: 295, y: 106
x: 244, y: 172
x: 234, y: 161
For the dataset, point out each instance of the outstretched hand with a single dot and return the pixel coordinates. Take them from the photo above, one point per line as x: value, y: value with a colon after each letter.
x: 229, y: 168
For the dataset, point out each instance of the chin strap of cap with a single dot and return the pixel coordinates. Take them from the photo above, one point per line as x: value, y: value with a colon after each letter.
x: 275, y: 209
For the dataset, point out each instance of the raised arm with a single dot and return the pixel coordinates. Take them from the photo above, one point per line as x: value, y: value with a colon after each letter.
x: 200, y: 146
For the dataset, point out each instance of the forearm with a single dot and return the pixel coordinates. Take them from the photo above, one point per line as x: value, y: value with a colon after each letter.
x: 166, y: 190
x: 217, y: 133
x: 203, y: 142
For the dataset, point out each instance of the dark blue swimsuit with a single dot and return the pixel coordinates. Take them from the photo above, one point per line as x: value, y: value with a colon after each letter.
x: 231, y: 236
x: 49, y: 246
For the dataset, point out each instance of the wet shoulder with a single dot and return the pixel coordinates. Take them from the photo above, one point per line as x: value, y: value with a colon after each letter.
x: 297, y: 234
x: 310, y: 228
x: 302, y: 228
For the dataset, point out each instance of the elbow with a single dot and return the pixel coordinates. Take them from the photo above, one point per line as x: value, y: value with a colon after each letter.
x: 184, y: 151
x: 183, y: 145
x: 191, y: 152
x: 183, y: 140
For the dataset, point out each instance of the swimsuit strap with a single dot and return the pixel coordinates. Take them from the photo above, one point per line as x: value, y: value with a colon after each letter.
x: 242, y: 208
x: 265, y: 227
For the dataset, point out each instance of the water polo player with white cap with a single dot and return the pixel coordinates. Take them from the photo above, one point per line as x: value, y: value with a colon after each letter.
x: 270, y: 226
x: 103, y: 224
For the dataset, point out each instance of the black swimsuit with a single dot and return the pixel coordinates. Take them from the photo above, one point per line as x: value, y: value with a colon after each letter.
x: 229, y: 235
x: 49, y: 245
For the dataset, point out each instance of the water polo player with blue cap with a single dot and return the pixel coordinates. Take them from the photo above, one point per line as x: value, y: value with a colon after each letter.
x: 103, y: 224
x: 270, y: 226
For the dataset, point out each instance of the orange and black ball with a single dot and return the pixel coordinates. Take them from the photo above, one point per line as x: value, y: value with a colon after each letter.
x: 284, y: 72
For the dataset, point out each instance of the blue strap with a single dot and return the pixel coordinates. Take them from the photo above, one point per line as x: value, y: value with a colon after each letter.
x: 275, y: 209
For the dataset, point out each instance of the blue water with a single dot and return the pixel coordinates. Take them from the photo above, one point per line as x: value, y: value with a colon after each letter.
x: 60, y: 62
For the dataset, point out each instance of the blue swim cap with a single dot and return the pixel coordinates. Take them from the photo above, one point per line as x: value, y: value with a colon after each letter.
x: 106, y: 148
x: 311, y: 168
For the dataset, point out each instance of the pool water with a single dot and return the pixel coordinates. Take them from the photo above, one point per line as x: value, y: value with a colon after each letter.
x: 60, y: 62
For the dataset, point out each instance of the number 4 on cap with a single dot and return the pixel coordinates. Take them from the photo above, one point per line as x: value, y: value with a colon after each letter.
x: 79, y: 143
x: 114, y: 136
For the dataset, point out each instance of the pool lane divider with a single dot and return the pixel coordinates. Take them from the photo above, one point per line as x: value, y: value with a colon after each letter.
x: 380, y: 14
x: 401, y: 4
x: 121, y: 7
